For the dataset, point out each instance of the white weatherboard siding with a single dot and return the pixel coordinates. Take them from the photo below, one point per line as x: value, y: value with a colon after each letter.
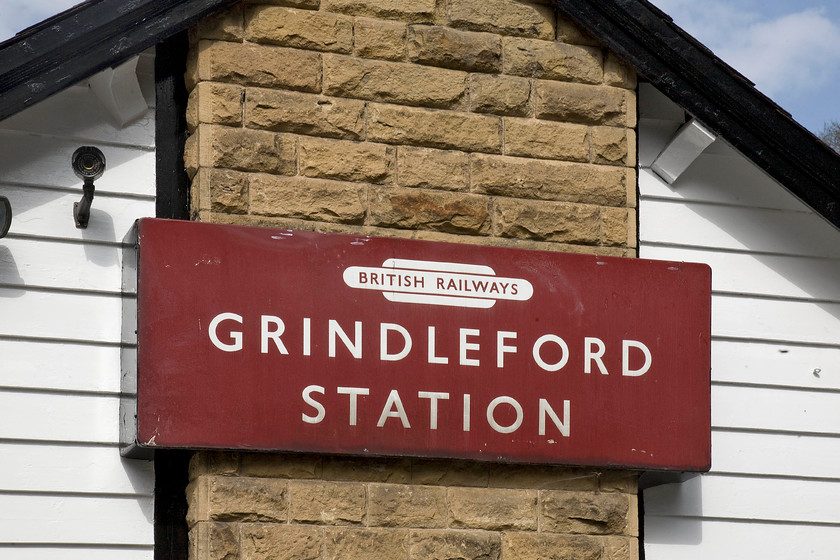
x: 774, y: 488
x: 65, y: 492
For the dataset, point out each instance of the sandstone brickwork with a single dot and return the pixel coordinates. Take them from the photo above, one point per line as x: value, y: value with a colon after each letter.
x: 475, y: 121
x: 261, y: 507
x: 492, y: 122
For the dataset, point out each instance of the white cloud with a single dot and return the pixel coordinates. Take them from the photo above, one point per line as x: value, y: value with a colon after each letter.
x: 795, y: 53
x: 711, y: 22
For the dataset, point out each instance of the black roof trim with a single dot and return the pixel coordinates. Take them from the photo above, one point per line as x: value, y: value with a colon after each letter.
x: 713, y: 92
x: 85, y: 39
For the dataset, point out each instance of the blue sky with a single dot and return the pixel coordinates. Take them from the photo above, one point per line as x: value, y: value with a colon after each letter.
x: 791, y: 50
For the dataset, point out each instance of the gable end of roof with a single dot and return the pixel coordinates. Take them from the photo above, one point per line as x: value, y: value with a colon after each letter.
x: 87, y: 38
x: 717, y: 95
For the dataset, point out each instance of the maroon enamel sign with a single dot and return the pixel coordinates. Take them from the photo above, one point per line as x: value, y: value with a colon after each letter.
x: 266, y: 339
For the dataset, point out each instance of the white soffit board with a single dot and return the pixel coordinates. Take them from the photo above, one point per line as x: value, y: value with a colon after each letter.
x: 686, y: 145
x: 119, y: 91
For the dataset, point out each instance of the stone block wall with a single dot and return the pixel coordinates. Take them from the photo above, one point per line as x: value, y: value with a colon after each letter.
x: 489, y: 122
x: 477, y: 121
x: 278, y: 507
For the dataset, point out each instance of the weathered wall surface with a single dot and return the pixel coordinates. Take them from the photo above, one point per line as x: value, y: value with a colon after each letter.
x: 471, y: 121
x: 303, y: 506
x: 462, y: 120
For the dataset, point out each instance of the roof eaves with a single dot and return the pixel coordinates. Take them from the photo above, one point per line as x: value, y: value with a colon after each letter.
x: 85, y: 39
x: 716, y: 94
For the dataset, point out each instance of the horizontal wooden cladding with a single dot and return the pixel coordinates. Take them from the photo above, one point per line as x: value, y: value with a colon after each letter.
x: 56, y: 315
x: 790, y: 455
x: 76, y: 552
x: 773, y: 491
x: 34, y: 518
x: 721, y: 179
x: 790, y: 321
x: 776, y: 364
x: 782, y: 276
x: 77, y: 469
x: 60, y: 366
x: 77, y: 113
x: 45, y: 263
x: 744, y: 498
x: 51, y: 417
x: 45, y: 161
x: 735, y: 228
x: 49, y: 213
x: 65, y: 492
x: 669, y: 538
x: 763, y: 409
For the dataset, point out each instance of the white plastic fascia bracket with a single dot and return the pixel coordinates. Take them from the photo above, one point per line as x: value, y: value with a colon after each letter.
x: 686, y: 146
x: 118, y: 89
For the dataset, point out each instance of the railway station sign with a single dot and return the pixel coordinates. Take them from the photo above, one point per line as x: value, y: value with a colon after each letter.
x: 280, y: 340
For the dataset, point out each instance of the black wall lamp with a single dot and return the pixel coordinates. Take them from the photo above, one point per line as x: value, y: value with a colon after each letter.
x: 5, y: 216
x: 88, y: 165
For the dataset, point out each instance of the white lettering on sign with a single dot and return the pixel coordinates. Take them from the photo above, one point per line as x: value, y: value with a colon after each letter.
x: 354, y: 393
x: 469, y: 344
x: 320, y: 411
x: 502, y: 348
x: 438, y: 283
x: 433, y: 358
x: 589, y: 356
x: 384, y: 329
x: 393, y: 408
x: 236, y: 336
x: 491, y: 419
x: 626, y: 345
x: 546, y: 410
x: 465, y: 346
x: 275, y: 334
x: 550, y: 352
x: 354, y: 346
x: 559, y: 342
x: 433, y: 405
